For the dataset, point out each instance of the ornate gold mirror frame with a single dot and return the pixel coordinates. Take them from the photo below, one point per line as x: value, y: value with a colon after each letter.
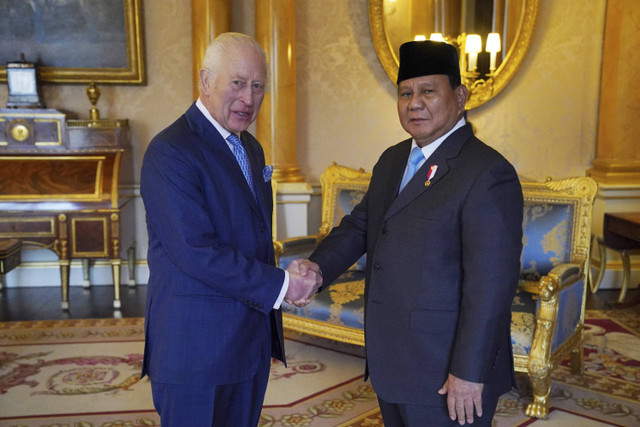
x: 480, y: 91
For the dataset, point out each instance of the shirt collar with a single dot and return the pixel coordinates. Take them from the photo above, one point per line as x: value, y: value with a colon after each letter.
x: 428, y: 149
x: 225, y: 133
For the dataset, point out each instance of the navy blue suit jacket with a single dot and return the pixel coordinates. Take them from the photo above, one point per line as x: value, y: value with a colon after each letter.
x: 213, y: 283
x: 443, y: 261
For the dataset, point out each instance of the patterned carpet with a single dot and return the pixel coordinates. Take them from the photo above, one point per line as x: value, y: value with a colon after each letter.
x: 85, y: 373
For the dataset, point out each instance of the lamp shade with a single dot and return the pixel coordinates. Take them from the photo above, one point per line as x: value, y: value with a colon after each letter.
x: 473, y: 44
x: 493, y: 42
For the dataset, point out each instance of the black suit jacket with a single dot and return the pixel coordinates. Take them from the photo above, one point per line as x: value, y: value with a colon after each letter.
x: 443, y: 261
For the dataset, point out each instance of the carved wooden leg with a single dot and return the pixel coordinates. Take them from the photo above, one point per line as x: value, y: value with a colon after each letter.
x: 541, y: 387
x: 131, y: 261
x: 603, y: 264
x: 64, y: 282
x: 86, y: 278
x: 626, y: 272
x: 115, y: 267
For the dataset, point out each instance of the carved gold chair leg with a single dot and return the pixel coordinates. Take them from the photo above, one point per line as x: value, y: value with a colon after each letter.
x: 541, y: 387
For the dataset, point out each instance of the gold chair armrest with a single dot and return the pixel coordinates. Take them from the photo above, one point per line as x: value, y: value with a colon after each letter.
x: 283, y: 247
x: 548, y: 286
x: 294, y: 242
x: 559, y: 277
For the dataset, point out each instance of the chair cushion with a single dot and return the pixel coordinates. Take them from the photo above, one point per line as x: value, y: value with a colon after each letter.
x: 547, y: 236
x: 341, y: 304
x: 523, y: 322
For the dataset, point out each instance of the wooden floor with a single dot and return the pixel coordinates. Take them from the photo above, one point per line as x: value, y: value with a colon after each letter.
x: 43, y: 303
x: 97, y: 302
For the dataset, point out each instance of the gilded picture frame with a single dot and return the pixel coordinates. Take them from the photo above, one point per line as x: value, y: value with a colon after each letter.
x: 76, y: 41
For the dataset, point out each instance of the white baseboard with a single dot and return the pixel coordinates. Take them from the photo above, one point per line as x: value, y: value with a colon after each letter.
x: 36, y: 274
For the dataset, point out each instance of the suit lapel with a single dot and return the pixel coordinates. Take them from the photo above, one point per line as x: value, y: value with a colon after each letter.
x: 202, y: 127
x: 449, y: 149
x: 397, y: 165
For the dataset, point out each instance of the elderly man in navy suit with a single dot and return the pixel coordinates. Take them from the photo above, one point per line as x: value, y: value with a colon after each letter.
x: 213, y: 318
x: 441, y: 225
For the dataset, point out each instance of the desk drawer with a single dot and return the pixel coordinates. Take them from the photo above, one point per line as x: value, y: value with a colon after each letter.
x: 27, y: 227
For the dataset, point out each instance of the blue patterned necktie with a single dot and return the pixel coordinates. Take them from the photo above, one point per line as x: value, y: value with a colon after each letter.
x: 414, y: 160
x: 243, y: 160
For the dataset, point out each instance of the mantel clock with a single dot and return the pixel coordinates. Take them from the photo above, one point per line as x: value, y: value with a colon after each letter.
x: 24, y: 91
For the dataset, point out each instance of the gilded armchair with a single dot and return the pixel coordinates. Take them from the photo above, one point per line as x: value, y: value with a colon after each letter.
x: 548, y: 311
x: 338, y: 312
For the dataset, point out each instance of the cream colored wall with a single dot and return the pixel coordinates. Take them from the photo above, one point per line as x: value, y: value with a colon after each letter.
x: 544, y: 121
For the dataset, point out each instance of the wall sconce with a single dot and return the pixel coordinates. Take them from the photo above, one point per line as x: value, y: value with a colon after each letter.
x: 469, y: 47
x: 493, y: 47
x: 472, y: 47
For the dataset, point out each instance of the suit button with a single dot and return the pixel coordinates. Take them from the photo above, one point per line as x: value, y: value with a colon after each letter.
x: 384, y: 229
x: 263, y: 229
x: 377, y: 266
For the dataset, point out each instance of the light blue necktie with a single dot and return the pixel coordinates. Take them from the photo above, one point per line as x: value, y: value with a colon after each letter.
x: 414, y: 160
x: 243, y: 160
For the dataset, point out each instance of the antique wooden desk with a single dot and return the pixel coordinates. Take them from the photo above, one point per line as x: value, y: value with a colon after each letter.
x: 59, y: 183
x: 621, y: 232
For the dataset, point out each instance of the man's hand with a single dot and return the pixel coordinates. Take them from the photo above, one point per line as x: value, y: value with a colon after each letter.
x: 304, y: 280
x: 462, y: 397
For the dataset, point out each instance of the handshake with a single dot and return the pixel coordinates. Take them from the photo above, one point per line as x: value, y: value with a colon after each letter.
x: 304, y: 280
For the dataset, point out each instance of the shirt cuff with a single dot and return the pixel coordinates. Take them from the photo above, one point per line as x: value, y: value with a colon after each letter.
x: 283, y: 291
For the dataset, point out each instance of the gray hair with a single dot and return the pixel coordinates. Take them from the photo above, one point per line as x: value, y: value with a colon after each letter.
x: 225, y: 44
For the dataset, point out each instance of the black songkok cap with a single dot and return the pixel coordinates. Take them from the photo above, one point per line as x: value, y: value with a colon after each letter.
x: 425, y: 58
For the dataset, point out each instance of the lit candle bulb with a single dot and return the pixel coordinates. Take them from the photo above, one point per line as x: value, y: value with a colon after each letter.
x: 419, y: 38
x: 493, y: 47
x: 473, y: 46
x: 436, y: 37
